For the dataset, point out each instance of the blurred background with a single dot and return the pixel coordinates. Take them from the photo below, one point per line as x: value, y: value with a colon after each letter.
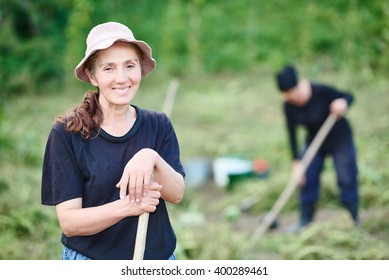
x: 222, y: 55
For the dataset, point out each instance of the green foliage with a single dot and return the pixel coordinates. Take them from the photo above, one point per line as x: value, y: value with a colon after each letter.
x: 42, y: 41
x: 356, y: 244
x: 32, y: 44
x: 225, y: 53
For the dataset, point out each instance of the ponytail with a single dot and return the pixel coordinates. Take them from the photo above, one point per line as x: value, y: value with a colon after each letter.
x: 85, y: 117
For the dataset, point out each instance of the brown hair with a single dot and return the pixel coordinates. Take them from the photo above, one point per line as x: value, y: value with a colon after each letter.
x: 88, y: 115
x: 84, y: 117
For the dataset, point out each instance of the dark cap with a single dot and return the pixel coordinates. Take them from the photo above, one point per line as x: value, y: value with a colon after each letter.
x: 287, y: 78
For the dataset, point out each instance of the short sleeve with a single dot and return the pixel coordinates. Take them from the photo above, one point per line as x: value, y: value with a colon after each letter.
x: 170, y: 149
x: 61, y: 177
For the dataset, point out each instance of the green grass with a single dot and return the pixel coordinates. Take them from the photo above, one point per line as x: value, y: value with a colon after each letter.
x: 213, y: 116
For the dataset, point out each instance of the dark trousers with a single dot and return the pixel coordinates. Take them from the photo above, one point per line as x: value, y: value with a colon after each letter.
x: 344, y: 158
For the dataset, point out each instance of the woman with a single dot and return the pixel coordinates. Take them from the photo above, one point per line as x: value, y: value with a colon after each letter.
x: 308, y: 105
x: 107, y: 161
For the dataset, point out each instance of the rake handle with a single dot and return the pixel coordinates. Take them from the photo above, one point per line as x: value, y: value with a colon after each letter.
x: 293, y: 183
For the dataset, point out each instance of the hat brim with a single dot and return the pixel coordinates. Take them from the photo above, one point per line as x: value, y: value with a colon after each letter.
x: 149, y: 62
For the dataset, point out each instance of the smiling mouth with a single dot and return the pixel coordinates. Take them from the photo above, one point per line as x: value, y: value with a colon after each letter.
x: 122, y: 90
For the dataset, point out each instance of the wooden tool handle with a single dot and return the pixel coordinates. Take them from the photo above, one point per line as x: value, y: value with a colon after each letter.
x: 293, y: 183
x: 141, y: 233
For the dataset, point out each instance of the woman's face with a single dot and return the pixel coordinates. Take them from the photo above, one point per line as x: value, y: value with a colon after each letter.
x: 117, y: 74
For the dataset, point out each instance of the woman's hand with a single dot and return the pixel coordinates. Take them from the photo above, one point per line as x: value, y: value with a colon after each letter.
x: 78, y: 221
x: 149, y: 202
x: 137, y: 175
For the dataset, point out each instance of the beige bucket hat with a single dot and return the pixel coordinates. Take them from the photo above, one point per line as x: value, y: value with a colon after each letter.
x: 103, y: 36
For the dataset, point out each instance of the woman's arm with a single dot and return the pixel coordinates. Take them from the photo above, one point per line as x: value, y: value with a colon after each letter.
x: 147, y: 165
x: 77, y: 221
x: 173, y: 185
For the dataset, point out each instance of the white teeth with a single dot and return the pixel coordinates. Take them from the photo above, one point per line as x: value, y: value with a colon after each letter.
x: 121, y: 90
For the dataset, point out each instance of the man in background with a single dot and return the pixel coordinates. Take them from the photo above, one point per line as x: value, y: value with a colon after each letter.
x: 308, y: 105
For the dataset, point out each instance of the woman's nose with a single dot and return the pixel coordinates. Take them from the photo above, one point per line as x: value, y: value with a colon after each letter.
x: 121, y: 76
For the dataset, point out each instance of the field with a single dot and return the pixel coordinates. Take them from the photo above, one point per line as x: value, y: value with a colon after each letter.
x: 226, y: 114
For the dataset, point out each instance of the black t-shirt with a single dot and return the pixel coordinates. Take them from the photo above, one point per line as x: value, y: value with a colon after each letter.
x: 91, y: 169
x: 312, y: 116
